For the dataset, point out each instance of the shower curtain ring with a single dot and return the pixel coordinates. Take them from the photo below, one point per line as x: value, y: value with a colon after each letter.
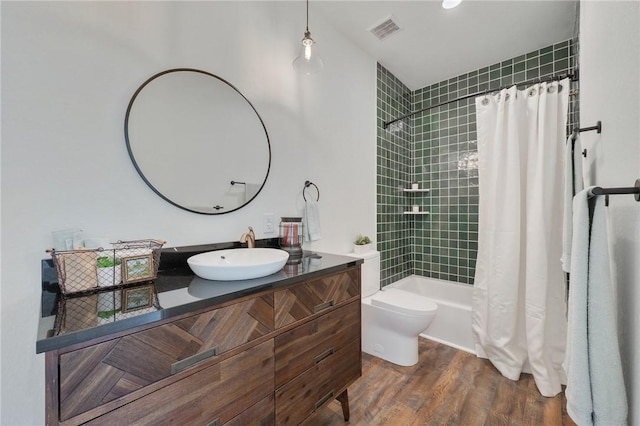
x: 485, y: 100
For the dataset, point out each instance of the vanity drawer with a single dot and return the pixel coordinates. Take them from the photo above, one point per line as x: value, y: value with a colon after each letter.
x: 214, y: 395
x: 318, y: 385
x: 106, y: 371
x: 303, y: 300
x: 260, y: 414
x: 308, y: 344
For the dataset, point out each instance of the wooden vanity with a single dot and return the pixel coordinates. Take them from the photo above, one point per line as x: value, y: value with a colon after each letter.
x: 273, y: 354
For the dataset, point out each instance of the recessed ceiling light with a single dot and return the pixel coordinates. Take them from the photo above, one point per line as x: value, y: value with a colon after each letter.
x: 450, y: 4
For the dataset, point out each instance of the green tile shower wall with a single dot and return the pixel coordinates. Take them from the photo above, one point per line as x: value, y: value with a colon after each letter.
x: 394, y: 168
x: 438, y: 150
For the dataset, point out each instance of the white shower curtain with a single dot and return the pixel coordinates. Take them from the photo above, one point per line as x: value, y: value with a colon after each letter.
x: 519, y: 303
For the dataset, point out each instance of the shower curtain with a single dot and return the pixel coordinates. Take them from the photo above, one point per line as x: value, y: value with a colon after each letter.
x: 519, y: 303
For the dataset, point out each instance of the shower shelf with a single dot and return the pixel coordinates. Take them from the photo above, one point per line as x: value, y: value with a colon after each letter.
x: 415, y: 190
x: 416, y: 212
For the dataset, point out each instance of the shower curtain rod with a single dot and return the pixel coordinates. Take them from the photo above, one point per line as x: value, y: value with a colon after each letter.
x: 573, y: 77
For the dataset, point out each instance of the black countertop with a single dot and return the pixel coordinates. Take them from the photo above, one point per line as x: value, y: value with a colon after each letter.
x: 175, y: 291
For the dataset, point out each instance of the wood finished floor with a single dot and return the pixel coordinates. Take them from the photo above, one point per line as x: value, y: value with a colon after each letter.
x: 446, y: 387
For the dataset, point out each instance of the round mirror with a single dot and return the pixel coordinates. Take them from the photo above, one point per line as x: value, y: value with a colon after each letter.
x: 197, y: 141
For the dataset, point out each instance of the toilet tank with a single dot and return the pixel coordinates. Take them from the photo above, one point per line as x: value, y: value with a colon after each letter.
x: 370, y: 274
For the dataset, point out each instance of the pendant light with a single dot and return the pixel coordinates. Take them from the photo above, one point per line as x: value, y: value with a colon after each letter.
x: 450, y: 4
x: 308, y: 61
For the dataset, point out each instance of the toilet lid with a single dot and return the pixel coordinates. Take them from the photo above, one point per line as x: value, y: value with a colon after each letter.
x: 404, y: 301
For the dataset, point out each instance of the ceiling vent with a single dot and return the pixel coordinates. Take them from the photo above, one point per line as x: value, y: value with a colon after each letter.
x: 385, y: 28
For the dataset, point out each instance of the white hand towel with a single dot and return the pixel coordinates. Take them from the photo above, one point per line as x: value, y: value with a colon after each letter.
x: 573, y: 183
x: 595, y: 387
x: 311, y: 218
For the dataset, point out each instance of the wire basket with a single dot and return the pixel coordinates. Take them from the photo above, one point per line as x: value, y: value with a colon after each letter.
x: 84, y: 270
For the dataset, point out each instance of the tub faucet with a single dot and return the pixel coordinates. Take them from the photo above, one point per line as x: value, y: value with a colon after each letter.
x: 249, y: 238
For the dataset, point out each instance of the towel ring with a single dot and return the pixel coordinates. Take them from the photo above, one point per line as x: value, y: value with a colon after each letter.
x: 308, y: 184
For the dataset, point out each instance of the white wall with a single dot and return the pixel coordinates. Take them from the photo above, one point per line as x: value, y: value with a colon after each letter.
x: 610, y: 92
x: 68, y: 72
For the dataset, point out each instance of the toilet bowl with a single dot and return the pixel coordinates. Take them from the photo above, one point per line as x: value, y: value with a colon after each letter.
x: 392, y: 318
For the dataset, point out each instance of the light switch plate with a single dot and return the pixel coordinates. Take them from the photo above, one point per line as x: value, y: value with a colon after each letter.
x: 269, y: 224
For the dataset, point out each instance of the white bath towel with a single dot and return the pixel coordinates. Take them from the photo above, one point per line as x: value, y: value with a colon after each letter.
x: 595, y: 386
x: 311, y: 218
x: 573, y: 183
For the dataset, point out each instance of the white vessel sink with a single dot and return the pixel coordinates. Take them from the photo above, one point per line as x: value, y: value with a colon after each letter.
x: 238, y: 264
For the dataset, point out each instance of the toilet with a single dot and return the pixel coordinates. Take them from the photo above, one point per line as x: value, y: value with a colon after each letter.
x: 392, y: 318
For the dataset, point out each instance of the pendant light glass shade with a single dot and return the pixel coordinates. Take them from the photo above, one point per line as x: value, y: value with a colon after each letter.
x: 308, y: 61
x: 450, y: 4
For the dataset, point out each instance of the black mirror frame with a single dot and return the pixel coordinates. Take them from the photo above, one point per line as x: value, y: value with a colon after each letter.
x: 137, y: 167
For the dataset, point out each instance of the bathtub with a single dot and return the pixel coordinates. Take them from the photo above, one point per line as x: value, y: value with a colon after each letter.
x: 452, y: 324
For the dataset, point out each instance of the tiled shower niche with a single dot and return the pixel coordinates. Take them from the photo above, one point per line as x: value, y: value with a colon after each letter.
x: 438, y: 150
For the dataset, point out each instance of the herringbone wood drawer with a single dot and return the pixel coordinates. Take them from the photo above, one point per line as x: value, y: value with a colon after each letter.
x: 97, y: 374
x: 318, y: 385
x: 303, y: 347
x: 303, y: 300
x: 220, y: 392
x: 260, y: 414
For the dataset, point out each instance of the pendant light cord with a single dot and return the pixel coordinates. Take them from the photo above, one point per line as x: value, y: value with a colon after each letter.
x: 307, y: 15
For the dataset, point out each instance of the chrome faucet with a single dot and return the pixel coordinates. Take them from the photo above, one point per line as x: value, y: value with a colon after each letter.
x: 249, y: 238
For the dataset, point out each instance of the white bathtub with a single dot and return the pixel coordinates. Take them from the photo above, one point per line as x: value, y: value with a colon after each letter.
x: 452, y: 324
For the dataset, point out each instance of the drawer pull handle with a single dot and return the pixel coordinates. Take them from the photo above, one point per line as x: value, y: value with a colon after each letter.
x: 323, y: 355
x: 215, y: 422
x: 183, y: 364
x: 324, y: 399
x: 322, y: 306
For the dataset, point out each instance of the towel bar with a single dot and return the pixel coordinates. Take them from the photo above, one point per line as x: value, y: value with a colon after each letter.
x: 597, y: 127
x: 635, y: 189
x: 577, y: 130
